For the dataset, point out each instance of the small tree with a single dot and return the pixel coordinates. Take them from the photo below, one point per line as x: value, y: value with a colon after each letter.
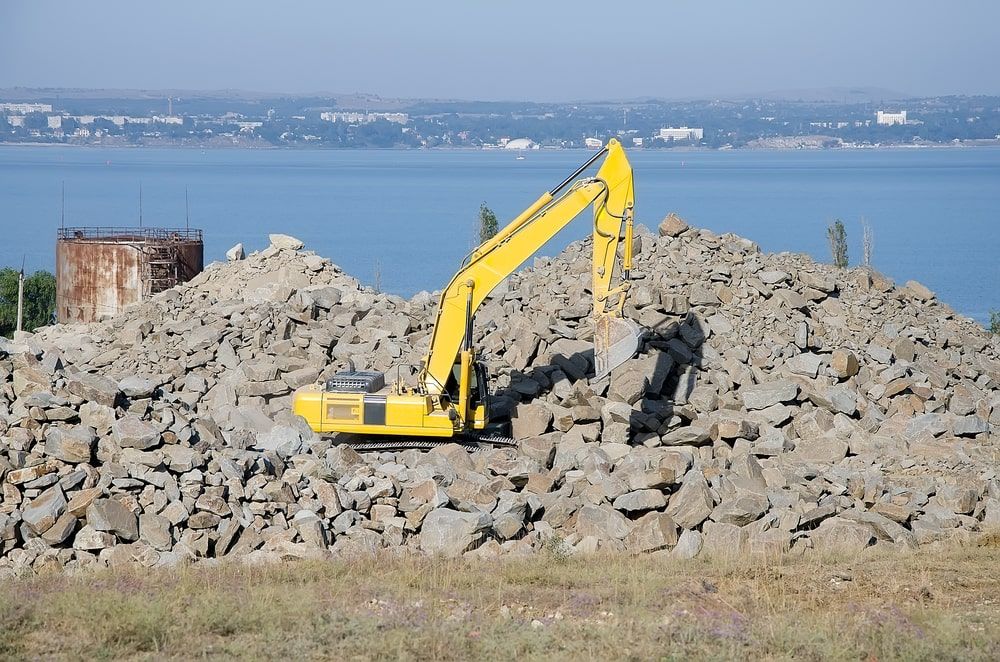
x: 995, y: 321
x: 39, y: 300
x: 837, y: 236
x: 488, y: 225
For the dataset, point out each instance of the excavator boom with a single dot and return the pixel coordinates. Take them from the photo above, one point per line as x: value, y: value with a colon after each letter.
x: 612, y: 195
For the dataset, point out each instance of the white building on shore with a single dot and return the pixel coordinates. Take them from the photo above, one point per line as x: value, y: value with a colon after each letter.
x: 681, y: 133
x: 520, y: 143
x: 25, y: 108
x: 889, y: 119
x: 364, y: 118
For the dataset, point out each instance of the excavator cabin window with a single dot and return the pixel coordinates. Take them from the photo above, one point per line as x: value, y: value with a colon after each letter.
x: 479, y: 388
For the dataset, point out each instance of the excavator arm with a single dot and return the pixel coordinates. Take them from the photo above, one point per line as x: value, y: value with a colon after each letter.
x: 611, y: 193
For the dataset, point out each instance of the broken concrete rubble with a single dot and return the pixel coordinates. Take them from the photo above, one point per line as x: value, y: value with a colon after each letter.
x: 776, y: 404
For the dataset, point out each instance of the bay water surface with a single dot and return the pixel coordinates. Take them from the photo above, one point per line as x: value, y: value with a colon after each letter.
x: 411, y: 215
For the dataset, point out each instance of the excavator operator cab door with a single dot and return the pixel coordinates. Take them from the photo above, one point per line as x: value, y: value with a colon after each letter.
x: 479, y: 387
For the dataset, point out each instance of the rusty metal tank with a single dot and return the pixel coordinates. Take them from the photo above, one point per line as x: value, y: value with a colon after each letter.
x: 100, y: 271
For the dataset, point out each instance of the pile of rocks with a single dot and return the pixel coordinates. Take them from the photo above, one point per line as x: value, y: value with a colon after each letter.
x: 777, y: 404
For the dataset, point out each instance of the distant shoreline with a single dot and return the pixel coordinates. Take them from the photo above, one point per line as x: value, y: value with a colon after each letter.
x: 683, y: 150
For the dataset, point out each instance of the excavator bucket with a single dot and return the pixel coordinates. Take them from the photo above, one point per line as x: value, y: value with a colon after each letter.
x: 616, y: 340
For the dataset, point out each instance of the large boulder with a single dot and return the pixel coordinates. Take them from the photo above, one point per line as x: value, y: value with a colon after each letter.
x: 452, y: 533
x: 71, y: 445
x: 93, y: 388
x: 762, y: 396
x: 45, y: 509
x: 133, y: 432
x: 285, y: 242
x: 692, y: 503
x: 672, y: 226
x: 111, y: 516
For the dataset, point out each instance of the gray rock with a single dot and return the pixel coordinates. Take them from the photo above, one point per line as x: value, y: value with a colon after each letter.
x: 806, y: 364
x: 691, y: 435
x: 692, y: 503
x: 94, y: 388
x: 284, y: 440
x: 761, y: 396
x: 137, y: 387
x: 772, y: 277
x: 672, y: 226
x: 918, y: 290
x: 155, y: 531
x: 310, y: 528
x: 885, y: 528
x: 61, y: 531
x: 843, y: 400
x: 90, y: 539
x: 740, y: 510
x: 285, y: 242
x: 71, y: 445
x: 879, y: 354
x: 602, y: 522
x: 970, y: 426
x: 111, y: 516
x: 688, y: 545
x: 133, y: 432
x: 651, y: 532
x: 451, y: 533
x: 530, y: 420
x: 837, y: 534
x: 235, y: 253
x: 723, y: 540
x: 640, y: 500
x: 43, y: 511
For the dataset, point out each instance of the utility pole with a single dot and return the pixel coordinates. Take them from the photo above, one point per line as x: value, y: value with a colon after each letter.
x: 20, y: 299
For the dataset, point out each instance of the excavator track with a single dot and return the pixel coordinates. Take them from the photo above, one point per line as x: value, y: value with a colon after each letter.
x: 470, y: 441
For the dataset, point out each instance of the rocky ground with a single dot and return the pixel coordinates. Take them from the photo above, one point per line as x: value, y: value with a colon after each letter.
x: 777, y: 405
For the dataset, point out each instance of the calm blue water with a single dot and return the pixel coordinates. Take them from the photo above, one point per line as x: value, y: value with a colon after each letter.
x: 935, y: 212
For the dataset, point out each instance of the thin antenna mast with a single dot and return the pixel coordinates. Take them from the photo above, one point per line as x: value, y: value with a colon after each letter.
x: 187, y: 211
x: 140, y: 204
x: 62, y: 219
x: 20, y: 298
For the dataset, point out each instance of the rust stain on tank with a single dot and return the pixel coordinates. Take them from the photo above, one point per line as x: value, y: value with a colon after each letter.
x: 101, y: 271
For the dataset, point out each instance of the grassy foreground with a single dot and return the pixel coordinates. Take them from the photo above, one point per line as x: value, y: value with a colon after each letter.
x: 926, y: 605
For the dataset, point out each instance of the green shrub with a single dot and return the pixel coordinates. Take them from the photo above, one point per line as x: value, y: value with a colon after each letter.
x: 488, y: 224
x: 39, y: 300
x: 836, y: 234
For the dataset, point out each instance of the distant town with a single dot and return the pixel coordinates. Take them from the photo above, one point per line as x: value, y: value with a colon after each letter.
x: 74, y: 117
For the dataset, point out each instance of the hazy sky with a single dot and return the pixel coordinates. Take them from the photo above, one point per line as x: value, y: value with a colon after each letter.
x: 538, y: 50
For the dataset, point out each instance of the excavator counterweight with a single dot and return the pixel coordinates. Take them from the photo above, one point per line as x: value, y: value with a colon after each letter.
x: 451, y: 398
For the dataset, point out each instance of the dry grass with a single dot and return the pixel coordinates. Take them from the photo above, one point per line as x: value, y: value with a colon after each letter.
x: 929, y: 605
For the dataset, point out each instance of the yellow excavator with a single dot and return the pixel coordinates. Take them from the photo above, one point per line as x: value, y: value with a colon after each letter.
x: 451, y: 399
